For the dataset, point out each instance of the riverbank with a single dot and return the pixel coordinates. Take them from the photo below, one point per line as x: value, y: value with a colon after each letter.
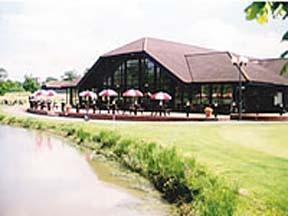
x: 149, y: 160
x: 39, y: 167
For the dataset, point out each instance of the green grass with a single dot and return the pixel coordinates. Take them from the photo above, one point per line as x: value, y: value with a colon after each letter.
x: 255, y: 156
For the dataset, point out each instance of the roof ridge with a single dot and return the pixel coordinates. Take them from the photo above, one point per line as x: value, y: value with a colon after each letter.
x: 180, y: 43
x: 189, y: 68
x: 205, y: 53
x: 145, y: 42
x: 270, y: 59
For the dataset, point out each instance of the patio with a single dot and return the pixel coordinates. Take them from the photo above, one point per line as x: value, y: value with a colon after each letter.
x: 127, y: 116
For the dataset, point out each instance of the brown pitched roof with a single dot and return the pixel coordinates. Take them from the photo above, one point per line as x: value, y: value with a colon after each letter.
x: 169, y: 54
x: 196, y: 64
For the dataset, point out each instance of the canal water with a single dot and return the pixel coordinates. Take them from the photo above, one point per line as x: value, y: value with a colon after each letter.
x: 44, y: 175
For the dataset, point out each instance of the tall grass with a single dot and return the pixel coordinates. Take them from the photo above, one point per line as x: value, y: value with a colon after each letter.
x: 181, y: 180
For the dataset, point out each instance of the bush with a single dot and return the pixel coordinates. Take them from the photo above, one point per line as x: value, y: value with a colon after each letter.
x: 107, y: 139
x: 82, y: 135
x: 11, y: 120
x: 122, y: 147
x: 2, y: 117
x: 70, y: 131
x: 27, y: 123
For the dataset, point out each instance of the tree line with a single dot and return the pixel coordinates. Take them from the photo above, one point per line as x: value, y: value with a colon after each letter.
x: 30, y: 83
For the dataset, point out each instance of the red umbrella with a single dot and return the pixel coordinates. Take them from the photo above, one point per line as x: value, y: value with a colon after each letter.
x: 51, y: 93
x: 133, y: 93
x: 88, y: 94
x: 108, y: 93
x: 161, y: 96
x: 39, y: 93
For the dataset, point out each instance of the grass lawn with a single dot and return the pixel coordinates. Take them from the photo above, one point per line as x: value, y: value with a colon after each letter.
x: 255, y: 156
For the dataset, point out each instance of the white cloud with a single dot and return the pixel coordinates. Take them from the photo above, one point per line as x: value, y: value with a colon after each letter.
x: 49, y: 37
x: 222, y: 36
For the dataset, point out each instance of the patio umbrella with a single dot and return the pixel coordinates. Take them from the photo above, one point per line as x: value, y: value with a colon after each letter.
x: 161, y: 96
x: 50, y: 93
x: 133, y: 93
x: 88, y: 94
x: 39, y: 93
x: 108, y: 93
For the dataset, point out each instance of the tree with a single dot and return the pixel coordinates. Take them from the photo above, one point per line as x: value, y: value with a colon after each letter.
x: 3, y: 74
x: 48, y: 79
x: 30, y: 83
x: 69, y: 75
x: 262, y: 11
x: 10, y: 86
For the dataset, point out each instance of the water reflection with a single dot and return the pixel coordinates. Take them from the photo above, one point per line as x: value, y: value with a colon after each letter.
x: 42, y: 142
x: 40, y: 175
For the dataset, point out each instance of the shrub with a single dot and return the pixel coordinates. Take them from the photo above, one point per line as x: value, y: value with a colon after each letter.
x: 27, y: 123
x: 11, y: 120
x: 70, y: 131
x: 39, y: 125
x: 82, y: 135
x: 122, y: 147
x: 2, y: 117
x: 107, y: 138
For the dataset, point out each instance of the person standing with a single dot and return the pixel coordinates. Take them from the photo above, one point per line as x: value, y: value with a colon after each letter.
x: 187, y: 108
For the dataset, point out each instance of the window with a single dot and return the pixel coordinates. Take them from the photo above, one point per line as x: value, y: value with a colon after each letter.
x: 149, y: 75
x: 227, y: 94
x: 196, y: 99
x: 205, y: 94
x: 117, y: 77
x: 132, y: 73
x: 216, y: 94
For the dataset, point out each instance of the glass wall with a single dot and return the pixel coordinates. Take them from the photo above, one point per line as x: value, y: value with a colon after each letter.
x: 216, y: 94
x: 144, y: 74
x: 227, y: 94
x: 149, y: 75
x: 132, y: 73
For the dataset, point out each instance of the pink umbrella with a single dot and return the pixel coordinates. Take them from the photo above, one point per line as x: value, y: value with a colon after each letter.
x: 108, y: 93
x: 50, y: 93
x: 161, y: 96
x: 88, y: 94
x: 39, y: 93
x: 133, y: 93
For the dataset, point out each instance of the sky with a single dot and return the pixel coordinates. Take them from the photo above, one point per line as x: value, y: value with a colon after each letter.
x: 48, y: 37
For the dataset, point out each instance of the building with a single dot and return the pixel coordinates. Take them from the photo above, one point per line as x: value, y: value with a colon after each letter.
x: 190, y: 73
